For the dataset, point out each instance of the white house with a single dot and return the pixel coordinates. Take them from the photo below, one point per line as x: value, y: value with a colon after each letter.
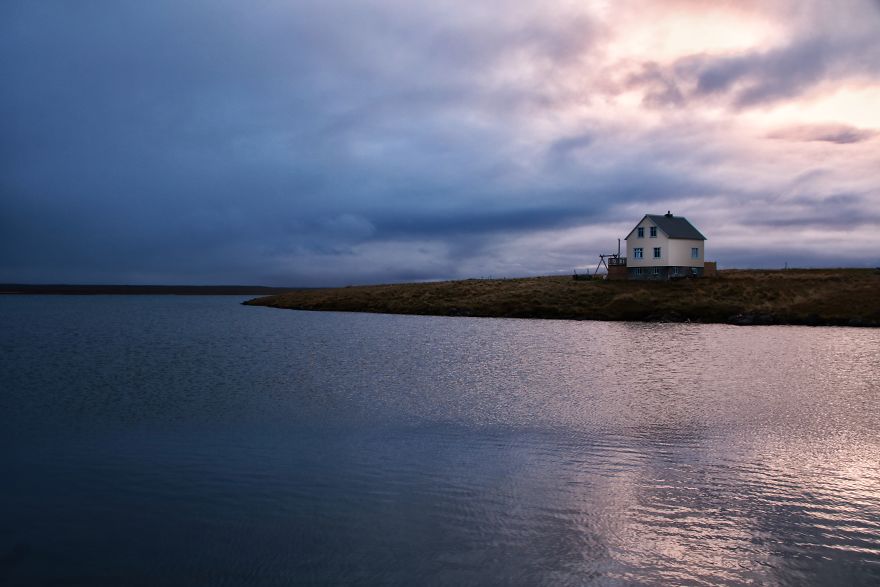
x: 662, y: 247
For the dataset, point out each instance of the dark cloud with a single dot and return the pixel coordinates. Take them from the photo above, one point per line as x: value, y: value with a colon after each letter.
x: 840, y: 134
x: 766, y: 77
x: 659, y: 86
x: 568, y: 146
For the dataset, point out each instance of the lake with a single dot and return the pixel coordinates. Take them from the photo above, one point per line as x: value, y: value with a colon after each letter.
x: 165, y: 440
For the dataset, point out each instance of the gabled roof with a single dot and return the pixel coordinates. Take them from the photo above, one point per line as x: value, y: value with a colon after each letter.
x: 672, y: 226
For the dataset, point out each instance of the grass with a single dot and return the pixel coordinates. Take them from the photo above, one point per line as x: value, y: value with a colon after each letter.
x: 796, y: 296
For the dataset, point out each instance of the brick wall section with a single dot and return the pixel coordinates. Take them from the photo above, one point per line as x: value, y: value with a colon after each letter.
x: 616, y: 272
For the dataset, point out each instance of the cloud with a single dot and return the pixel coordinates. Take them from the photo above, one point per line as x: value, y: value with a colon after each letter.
x: 659, y: 86
x: 825, y: 43
x: 324, y: 143
x: 787, y: 72
x: 839, y: 134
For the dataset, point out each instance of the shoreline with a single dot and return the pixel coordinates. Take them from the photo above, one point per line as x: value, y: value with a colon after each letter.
x: 814, y: 297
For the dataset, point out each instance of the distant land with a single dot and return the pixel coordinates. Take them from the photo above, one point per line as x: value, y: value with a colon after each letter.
x: 847, y: 297
x: 198, y: 290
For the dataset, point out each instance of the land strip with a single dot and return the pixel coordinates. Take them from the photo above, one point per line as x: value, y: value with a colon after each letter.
x: 849, y: 297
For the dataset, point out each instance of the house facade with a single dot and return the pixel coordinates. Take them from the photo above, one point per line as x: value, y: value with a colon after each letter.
x: 664, y: 247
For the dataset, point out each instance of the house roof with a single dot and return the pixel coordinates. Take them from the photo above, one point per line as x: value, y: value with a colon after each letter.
x: 673, y: 226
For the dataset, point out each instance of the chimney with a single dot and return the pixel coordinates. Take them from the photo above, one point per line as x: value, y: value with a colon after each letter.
x: 668, y: 214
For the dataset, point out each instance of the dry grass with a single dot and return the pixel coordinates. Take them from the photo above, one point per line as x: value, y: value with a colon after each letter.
x: 816, y: 296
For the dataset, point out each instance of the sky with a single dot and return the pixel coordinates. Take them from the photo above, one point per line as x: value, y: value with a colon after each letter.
x: 337, y: 142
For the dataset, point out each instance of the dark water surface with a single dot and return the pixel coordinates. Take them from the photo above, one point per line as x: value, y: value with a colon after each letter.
x: 194, y: 441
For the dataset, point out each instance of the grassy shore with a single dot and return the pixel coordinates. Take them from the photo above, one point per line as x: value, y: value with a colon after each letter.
x: 796, y: 296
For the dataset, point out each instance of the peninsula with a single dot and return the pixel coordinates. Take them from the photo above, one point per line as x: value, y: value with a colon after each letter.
x: 846, y: 297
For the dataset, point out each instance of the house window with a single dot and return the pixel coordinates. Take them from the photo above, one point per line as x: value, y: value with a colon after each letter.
x: 640, y: 232
x: 656, y: 271
x: 695, y: 253
x: 637, y: 271
x: 653, y: 232
x: 656, y: 252
x: 639, y: 253
x: 694, y: 270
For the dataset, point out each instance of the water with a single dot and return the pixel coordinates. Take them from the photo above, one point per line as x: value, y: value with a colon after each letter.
x: 194, y: 441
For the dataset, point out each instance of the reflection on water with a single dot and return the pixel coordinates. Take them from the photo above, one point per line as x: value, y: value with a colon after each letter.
x: 192, y: 441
